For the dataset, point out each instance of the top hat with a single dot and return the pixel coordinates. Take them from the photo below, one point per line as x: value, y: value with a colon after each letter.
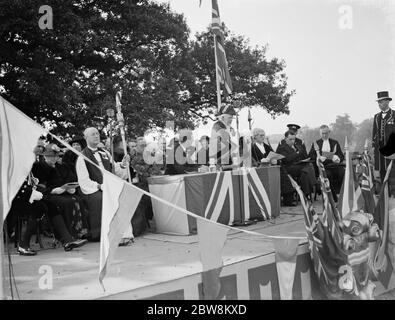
x: 388, y: 150
x: 52, y: 149
x: 227, y: 110
x: 383, y: 95
x: 293, y: 126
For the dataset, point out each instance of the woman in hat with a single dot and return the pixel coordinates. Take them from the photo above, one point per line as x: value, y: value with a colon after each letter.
x: 57, y: 196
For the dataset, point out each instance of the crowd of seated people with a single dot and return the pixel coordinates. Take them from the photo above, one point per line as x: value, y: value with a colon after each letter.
x: 67, y: 189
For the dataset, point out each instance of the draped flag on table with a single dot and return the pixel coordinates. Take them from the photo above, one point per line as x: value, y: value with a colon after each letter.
x: 212, y: 238
x: 221, y: 61
x: 286, y: 254
x: 120, y: 200
x: 252, y: 185
x: 18, y: 138
x: 350, y: 198
x: 383, y: 263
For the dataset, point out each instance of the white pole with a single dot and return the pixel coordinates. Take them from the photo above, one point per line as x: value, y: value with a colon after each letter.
x: 2, y: 255
x: 217, y: 76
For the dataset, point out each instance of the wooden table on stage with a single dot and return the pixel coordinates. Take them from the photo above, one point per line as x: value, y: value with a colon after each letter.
x: 229, y: 197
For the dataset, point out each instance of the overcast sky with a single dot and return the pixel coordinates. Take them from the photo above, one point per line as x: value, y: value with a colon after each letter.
x: 333, y: 70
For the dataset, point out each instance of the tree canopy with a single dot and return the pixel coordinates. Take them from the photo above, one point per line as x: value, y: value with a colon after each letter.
x: 68, y: 75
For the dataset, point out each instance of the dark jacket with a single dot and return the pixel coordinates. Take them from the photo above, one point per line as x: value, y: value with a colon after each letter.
x: 334, y: 147
x: 257, y: 154
x: 291, y: 155
x: 94, y: 173
x: 179, y: 161
x: 382, y: 129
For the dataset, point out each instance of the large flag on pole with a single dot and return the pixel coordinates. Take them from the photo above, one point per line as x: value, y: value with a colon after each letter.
x: 367, y: 184
x: 18, y: 138
x: 350, y: 198
x: 120, y: 200
x: 221, y: 61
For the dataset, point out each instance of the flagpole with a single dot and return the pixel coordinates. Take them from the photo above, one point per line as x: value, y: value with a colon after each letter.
x: 217, y: 76
x: 2, y: 255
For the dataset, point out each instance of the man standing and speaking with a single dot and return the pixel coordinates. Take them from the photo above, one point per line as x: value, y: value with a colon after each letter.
x: 383, y: 126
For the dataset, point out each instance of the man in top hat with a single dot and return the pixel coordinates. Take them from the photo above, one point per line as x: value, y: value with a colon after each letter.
x: 383, y: 126
x: 221, y: 145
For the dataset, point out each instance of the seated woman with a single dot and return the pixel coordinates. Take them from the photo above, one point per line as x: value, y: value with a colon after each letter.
x: 57, y: 196
x: 29, y: 201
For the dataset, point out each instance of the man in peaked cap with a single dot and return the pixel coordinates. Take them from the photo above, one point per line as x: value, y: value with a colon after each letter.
x: 221, y: 146
x: 383, y: 126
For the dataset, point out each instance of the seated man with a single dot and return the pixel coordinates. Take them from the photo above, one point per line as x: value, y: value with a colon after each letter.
x: 90, y: 178
x: 182, y: 158
x: 203, y: 153
x: 294, y: 164
x: 260, y: 150
x: 331, y: 156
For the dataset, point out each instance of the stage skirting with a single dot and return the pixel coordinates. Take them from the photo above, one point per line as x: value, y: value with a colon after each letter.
x: 229, y: 197
x: 252, y: 279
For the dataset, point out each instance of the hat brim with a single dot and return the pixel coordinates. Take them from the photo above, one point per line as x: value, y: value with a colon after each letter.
x: 381, y: 99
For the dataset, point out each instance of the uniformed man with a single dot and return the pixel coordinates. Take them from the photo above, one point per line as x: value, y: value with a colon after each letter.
x: 221, y: 146
x: 383, y: 126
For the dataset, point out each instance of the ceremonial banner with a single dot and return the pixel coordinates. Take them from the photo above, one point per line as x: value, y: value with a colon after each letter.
x: 18, y: 138
x: 120, y: 200
x: 212, y: 238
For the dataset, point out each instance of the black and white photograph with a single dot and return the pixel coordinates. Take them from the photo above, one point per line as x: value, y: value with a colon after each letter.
x: 213, y: 152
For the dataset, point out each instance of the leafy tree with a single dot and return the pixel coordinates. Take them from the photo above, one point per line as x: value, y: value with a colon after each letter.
x: 363, y: 133
x: 256, y: 80
x: 309, y: 136
x: 344, y: 127
x: 68, y: 76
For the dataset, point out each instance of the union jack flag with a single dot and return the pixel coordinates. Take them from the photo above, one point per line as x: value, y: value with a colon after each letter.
x: 367, y: 184
x: 221, y: 61
x: 324, y: 236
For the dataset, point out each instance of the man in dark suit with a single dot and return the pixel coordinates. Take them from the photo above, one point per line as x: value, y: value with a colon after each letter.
x: 221, y: 146
x: 260, y: 150
x: 331, y: 156
x: 293, y: 164
x: 383, y: 126
x: 293, y: 128
x: 182, y: 157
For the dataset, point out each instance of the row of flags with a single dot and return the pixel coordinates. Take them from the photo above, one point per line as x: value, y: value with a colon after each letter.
x: 351, y: 241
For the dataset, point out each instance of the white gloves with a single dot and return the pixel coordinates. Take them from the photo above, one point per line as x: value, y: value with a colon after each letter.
x: 35, y: 196
x: 336, y: 159
x: 58, y: 191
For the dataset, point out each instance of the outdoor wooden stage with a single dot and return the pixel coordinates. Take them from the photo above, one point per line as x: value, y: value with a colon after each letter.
x: 159, y: 266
